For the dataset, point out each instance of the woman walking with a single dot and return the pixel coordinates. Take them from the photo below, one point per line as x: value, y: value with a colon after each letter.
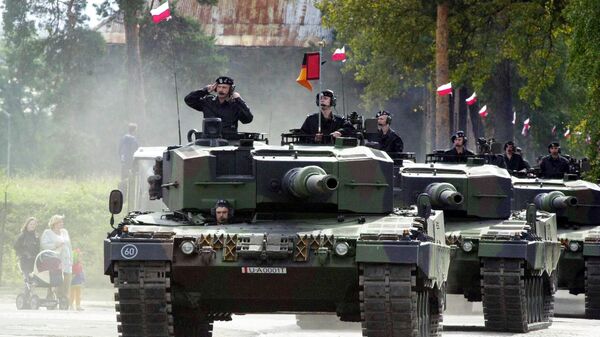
x: 27, y: 246
x: 56, y: 238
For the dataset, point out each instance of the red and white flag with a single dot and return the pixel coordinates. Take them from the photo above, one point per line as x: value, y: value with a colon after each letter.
x: 471, y: 100
x: 514, y: 121
x: 339, y: 54
x: 554, y: 130
x: 483, y: 112
x: 526, y: 127
x: 161, y: 13
x: 445, y: 89
x: 567, y: 133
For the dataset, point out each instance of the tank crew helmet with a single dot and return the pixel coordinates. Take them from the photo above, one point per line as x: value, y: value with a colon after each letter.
x: 459, y: 134
x: 384, y: 113
x: 554, y: 144
x: 509, y: 143
x: 224, y: 80
x: 329, y: 93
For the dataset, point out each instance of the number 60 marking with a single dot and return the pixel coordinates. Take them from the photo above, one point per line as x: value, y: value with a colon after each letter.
x: 129, y: 251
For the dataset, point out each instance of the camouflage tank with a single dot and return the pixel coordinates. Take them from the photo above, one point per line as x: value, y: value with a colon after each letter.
x: 313, y: 229
x: 576, y: 203
x: 505, y: 259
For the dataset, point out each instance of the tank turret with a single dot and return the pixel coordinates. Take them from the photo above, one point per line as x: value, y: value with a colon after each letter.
x: 444, y: 194
x: 553, y: 201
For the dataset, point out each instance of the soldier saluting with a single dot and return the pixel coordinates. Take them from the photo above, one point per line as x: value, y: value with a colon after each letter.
x: 227, y: 104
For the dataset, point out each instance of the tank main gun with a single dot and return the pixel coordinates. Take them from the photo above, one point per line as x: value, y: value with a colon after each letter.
x: 555, y: 200
x: 304, y: 182
x: 444, y: 194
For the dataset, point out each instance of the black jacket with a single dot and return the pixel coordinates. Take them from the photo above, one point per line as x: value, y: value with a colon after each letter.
x: 452, y: 156
x: 230, y: 111
x: 554, y: 168
x: 127, y: 147
x: 389, y: 142
x: 336, y: 123
x: 27, y: 245
x: 515, y: 163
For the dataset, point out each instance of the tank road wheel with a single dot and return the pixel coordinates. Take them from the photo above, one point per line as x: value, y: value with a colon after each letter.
x: 592, y: 288
x: 391, y: 305
x: 143, y: 298
x: 512, y: 301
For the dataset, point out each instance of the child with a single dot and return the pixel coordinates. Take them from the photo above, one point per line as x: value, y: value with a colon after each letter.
x: 77, y: 281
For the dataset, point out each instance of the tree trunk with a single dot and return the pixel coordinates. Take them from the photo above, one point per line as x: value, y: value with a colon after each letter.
x: 501, y: 107
x: 442, y: 113
x: 136, y: 98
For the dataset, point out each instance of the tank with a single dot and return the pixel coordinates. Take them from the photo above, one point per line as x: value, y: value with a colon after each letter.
x: 576, y: 203
x: 312, y: 229
x: 506, y: 259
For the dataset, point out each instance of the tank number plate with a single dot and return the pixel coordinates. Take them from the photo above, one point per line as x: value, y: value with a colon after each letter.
x: 264, y: 270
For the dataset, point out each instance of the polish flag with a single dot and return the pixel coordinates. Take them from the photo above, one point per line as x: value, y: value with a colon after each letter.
x: 526, y: 127
x: 514, y: 121
x: 339, y: 54
x: 471, y: 100
x: 445, y: 89
x: 554, y: 130
x: 567, y: 133
x: 161, y: 13
x: 483, y: 112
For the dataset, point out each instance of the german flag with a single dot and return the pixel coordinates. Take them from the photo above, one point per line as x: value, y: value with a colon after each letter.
x: 311, y: 69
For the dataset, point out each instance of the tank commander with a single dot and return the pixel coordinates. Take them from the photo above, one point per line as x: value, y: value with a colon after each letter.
x: 226, y: 104
x: 458, y: 152
x: 331, y: 124
x: 222, y: 212
x: 554, y: 166
x: 387, y: 139
x: 514, y: 162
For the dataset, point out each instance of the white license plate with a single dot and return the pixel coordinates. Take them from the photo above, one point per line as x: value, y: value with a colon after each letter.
x: 264, y: 270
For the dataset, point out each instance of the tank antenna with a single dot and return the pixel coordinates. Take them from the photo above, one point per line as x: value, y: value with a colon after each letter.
x: 177, y: 101
x: 321, y: 44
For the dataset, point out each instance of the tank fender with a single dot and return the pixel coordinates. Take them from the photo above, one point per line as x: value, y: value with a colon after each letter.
x: 591, y: 244
x: 132, y: 251
x: 538, y: 254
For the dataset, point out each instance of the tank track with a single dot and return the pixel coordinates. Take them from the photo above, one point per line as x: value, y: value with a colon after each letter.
x: 391, y: 305
x: 592, y: 288
x: 513, y: 302
x: 143, y: 299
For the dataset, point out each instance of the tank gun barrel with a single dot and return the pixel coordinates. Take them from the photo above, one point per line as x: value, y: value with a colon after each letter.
x: 444, y: 194
x: 553, y: 201
x: 304, y: 182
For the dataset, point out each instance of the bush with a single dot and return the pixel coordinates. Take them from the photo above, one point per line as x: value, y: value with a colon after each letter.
x: 84, y: 203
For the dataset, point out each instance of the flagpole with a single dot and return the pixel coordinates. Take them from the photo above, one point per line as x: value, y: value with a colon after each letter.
x: 176, y: 87
x: 343, y: 94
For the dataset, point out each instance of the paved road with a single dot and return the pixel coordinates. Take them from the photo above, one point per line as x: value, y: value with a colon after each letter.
x: 98, y: 320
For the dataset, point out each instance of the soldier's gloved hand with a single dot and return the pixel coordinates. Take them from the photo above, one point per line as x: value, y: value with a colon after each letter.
x: 336, y: 134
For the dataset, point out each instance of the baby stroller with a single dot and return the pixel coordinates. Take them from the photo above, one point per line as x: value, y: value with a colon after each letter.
x: 47, y: 274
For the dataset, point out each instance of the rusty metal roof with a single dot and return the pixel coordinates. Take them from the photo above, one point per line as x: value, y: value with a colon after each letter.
x: 274, y: 23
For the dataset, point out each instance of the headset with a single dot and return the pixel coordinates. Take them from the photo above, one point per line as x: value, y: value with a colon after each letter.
x: 221, y: 203
x: 384, y: 113
x: 226, y: 80
x: 329, y: 93
x: 459, y: 134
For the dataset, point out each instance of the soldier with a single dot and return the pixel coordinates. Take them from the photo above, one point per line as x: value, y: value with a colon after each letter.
x: 514, y: 162
x: 227, y: 104
x: 387, y: 139
x: 519, y: 151
x: 127, y: 147
x: 331, y: 124
x: 459, y: 151
x: 222, y: 212
x: 554, y: 166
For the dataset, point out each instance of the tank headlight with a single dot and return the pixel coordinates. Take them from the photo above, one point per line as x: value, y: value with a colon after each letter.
x: 467, y: 246
x: 187, y: 247
x: 573, y: 246
x: 342, y: 248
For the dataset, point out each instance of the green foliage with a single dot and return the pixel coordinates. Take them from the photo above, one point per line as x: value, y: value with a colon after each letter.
x: 584, y: 70
x: 84, y: 204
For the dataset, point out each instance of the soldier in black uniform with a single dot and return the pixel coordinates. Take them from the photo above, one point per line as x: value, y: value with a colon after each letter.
x: 554, y: 166
x: 227, y: 104
x: 459, y: 152
x: 514, y: 161
x: 331, y: 124
x: 387, y: 139
x: 519, y: 151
